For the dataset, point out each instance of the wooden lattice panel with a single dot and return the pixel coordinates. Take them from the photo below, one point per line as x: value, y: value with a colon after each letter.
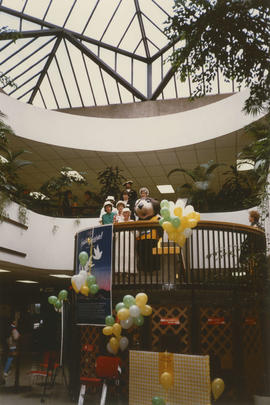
x: 253, y: 350
x: 178, y: 333
x: 89, y: 349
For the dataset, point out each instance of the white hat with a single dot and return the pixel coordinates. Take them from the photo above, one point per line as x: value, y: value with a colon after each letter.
x: 120, y: 202
x: 128, y: 181
x: 126, y: 210
x: 107, y: 203
x: 145, y: 190
x: 110, y: 198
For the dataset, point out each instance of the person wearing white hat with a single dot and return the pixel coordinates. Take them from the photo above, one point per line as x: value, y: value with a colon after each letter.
x: 120, y: 205
x: 126, y: 215
x: 110, y: 199
x: 109, y: 216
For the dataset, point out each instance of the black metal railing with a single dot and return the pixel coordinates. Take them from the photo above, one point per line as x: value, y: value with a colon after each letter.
x: 217, y: 253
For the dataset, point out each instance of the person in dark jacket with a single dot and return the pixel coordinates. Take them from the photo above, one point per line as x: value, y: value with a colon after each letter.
x: 132, y: 196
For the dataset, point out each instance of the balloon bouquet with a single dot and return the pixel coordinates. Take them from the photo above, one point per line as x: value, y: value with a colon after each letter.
x: 178, y: 220
x: 84, y: 282
x: 129, y: 312
x: 57, y: 302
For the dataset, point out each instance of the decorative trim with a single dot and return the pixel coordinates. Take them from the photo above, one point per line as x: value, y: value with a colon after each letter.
x: 12, y: 252
x: 13, y: 222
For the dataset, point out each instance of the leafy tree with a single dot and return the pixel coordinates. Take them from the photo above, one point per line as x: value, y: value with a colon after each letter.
x: 230, y: 36
x: 111, y: 181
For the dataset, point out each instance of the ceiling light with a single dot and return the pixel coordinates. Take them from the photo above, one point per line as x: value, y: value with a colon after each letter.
x: 165, y: 189
x: 27, y: 281
x: 60, y: 275
x: 244, y: 164
x: 4, y: 271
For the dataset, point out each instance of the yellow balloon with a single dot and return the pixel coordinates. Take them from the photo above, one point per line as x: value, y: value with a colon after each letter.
x: 114, y: 344
x: 123, y: 314
x: 84, y: 290
x: 173, y: 235
x: 217, y: 387
x: 191, y: 215
x: 178, y: 211
x: 166, y: 380
x: 146, y: 310
x: 116, y: 329
x: 141, y: 299
x: 168, y: 227
x: 108, y: 330
x: 192, y: 223
x: 73, y: 283
x: 181, y: 240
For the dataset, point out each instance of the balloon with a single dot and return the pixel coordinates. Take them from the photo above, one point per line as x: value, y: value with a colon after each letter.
x: 158, y: 401
x: 123, y: 314
x: 109, y: 348
x: 146, y: 310
x: 83, y: 275
x: 192, y: 223
x: 161, y: 221
x: 141, y: 299
x: 76, y: 283
x: 109, y: 320
x: 168, y: 227
x: 164, y: 204
x: 94, y: 288
x: 181, y: 240
x: 187, y: 232
x: 139, y: 320
x: 123, y: 343
x: 83, y: 258
x: 62, y: 295
x: 175, y: 221
x: 107, y: 330
x: 84, y: 290
x: 165, y: 213
x: 116, y: 329
x: 178, y: 211
x: 217, y: 387
x: 58, y: 304
x: 52, y: 299
x: 91, y: 279
x: 188, y: 209
x: 134, y: 311
x: 128, y: 300
x: 166, y: 380
x: 127, y: 323
x: 114, y: 343
x: 120, y: 305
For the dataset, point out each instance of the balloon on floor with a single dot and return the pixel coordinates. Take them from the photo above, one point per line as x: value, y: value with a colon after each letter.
x: 178, y: 220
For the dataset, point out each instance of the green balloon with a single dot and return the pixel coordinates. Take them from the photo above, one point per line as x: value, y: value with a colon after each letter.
x: 161, y: 221
x: 158, y: 401
x: 165, y: 213
x: 175, y: 221
x: 52, y: 299
x: 164, y: 204
x: 90, y: 280
x: 83, y: 258
x: 119, y: 306
x: 62, y: 295
x: 139, y: 320
x: 93, y: 288
x: 128, y: 300
x: 109, y: 320
x: 58, y: 304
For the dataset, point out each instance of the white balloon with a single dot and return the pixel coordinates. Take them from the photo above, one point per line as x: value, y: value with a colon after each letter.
x: 188, y: 209
x: 123, y: 343
x: 78, y: 281
x: 172, y: 206
x: 181, y: 202
x: 110, y: 350
x: 83, y: 275
x: 134, y: 311
x: 187, y: 232
x: 127, y: 323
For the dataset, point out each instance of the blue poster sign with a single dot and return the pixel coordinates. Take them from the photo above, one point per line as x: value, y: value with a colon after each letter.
x: 97, y: 242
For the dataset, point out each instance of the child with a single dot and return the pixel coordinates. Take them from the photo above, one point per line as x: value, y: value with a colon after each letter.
x: 120, y: 206
x: 126, y: 215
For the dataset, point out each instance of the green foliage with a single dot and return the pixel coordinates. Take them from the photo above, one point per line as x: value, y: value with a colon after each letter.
x: 7, y: 33
x: 111, y: 181
x: 231, y: 36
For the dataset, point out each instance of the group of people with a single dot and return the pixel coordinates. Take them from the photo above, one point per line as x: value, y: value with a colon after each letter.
x: 70, y: 204
x: 123, y: 210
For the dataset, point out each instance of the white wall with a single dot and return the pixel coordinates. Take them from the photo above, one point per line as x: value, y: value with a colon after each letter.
x: 49, y: 242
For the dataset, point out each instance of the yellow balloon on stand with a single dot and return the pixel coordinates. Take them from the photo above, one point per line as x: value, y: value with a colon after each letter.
x: 74, y: 286
x: 146, y: 310
x: 108, y: 330
x: 116, y: 329
x: 178, y: 211
x: 168, y: 227
x: 192, y: 223
x: 141, y: 299
x: 166, y: 380
x: 123, y: 314
x: 217, y: 387
x: 84, y: 290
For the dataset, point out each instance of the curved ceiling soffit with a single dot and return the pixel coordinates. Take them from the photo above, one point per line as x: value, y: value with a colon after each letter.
x: 127, y: 135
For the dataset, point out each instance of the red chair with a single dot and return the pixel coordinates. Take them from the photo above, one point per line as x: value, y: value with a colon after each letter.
x: 107, y: 370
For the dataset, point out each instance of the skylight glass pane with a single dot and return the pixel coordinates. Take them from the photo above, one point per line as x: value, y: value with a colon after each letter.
x: 58, y: 11
x: 14, y: 4
x: 36, y: 8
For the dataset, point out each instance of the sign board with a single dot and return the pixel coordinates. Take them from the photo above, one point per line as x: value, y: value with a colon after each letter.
x: 97, y: 242
x: 169, y: 321
x: 216, y: 321
x: 250, y: 321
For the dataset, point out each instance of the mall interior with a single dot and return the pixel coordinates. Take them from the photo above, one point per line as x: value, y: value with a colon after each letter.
x: 89, y: 87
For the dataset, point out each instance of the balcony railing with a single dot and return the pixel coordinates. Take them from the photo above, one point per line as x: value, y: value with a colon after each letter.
x: 217, y: 253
